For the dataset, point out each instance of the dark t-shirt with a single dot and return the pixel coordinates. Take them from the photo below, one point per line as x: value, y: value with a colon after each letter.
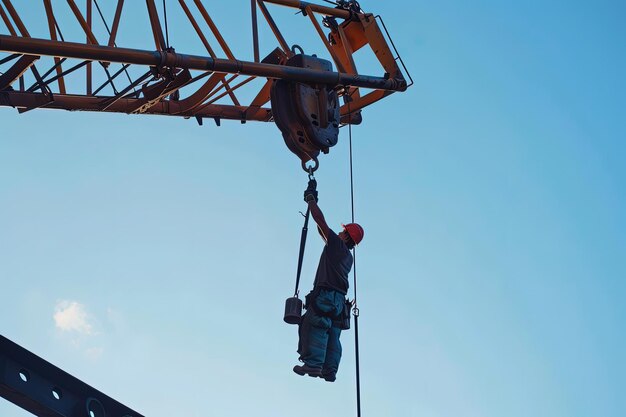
x: 335, y: 264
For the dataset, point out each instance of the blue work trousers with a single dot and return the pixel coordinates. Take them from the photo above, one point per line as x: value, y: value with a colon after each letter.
x: 319, y: 344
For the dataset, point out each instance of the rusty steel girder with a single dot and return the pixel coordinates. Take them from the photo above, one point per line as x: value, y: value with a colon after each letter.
x: 167, y: 82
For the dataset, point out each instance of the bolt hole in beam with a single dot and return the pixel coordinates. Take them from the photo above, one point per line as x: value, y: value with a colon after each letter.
x: 95, y: 408
x: 24, y: 375
x: 56, y: 393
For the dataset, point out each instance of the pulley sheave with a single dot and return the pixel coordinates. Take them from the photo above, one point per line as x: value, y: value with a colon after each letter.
x: 306, y: 114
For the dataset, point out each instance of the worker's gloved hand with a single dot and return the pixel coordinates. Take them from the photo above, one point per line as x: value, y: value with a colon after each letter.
x: 310, y: 195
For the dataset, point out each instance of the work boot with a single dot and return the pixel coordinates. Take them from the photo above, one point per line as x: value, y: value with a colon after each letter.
x: 306, y: 369
x: 330, y: 376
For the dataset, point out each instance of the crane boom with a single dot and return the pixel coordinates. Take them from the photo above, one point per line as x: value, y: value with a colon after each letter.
x: 96, y: 74
x: 49, y: 73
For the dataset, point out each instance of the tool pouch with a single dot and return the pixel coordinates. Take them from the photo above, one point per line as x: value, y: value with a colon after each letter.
x: 344, y: 318
x: 309, y: 300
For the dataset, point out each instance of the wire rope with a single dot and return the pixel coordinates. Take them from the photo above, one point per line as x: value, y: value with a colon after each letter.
x: 355, y: 308
x: 167, y: 32
x: 114, y: 44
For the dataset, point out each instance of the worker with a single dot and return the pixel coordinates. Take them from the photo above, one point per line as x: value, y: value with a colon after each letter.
x: 319, y: 331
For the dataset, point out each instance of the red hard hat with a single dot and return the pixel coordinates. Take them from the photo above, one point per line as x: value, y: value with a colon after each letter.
x: 355, y: 231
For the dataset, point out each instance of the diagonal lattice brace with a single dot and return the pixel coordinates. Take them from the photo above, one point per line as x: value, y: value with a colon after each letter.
x: 16, y: 71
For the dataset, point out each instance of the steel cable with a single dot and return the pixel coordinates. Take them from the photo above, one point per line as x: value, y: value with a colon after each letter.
x: 167, y: 32
x: 355, y: 308
x: 114, y: 44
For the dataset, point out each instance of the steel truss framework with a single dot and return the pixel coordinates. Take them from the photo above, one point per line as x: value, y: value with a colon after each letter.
x: 167, y: 85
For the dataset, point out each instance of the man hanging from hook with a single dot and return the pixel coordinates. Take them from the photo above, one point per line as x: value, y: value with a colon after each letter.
x: 319, y: 331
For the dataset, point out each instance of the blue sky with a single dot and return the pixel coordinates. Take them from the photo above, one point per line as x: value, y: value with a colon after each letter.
x: 151, y: 257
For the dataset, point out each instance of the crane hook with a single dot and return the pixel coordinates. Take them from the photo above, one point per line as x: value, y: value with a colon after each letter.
x: 310, y: 169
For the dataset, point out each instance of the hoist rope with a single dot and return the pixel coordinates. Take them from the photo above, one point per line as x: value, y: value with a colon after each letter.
x: 167, y: 34
x: 102, y: 17
x: 114, y: 44
x: 355, y: 308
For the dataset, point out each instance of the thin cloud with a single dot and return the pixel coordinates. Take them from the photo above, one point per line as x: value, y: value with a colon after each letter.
x: 71, y: 316
x: 94, y: 353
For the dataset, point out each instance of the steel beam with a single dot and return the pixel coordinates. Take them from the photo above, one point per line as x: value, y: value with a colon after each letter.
x: 196, y: 27
x: 324, y: 38
x: 16, y: 71
x: 329, y: 11
x: 83, y: 23
x: 270, y: 21
x: 204, y: 40
x: 262, y: 98
x: 116, y: 22
x: 44, y: 390
x: 157, y: 31
x: 16, y: 18
x: 192, y: 102
x: 53, y: 35
x: 34, y: 46
x: 25, y: 100
x: 214, y: 29
x: 7, y: 21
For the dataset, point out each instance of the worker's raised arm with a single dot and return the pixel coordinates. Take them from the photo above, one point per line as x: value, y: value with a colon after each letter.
x: 318, y: 216
x: 310, y: 196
